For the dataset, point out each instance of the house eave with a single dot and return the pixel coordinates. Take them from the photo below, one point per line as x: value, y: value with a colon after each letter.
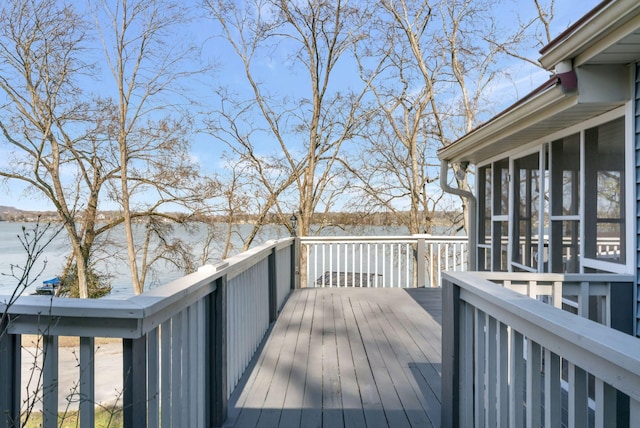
x: 563, y: 101
x: 604, y: 26
x: 482, y: 142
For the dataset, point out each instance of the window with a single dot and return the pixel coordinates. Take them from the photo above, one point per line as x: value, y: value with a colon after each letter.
x: 565, y: 205
x: 526, y: 225
x: 605, y: 192
x: 484, y: 226
x: 500, y: 218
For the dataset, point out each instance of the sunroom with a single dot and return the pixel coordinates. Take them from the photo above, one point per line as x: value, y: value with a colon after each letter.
x: 556, y: 171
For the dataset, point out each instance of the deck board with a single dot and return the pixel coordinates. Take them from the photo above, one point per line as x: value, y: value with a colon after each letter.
x: 347, y: 357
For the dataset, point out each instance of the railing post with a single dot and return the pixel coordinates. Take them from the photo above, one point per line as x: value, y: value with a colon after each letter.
x: 621, y: 298
x: 218, y: 352
x: 134, y: 357
x: 450, y: 354
x: 273, y: 286
x: 295, y: 263
x: 10, y: 370
x: 420, y: 263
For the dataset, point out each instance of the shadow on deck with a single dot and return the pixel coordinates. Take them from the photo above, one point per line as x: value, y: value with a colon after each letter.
x: 347, y: 357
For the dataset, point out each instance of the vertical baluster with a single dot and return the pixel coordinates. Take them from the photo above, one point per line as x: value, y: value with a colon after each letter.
x: 324, y: 269
x: 465, y: 254
x: 338, y: 247
x: 534, y: 372
x: 192, y: 358
x: 502, y: 362
x: 557, y: 294
x: 218, y: 357
x: 552, y: 389
x: 583, y: 300
x: 49, y: 381
x: 176, y: 369
x: 153, y: 360
x: 480, y: 405
x: 454, y: 259
x: 432, y: 277
x: 134, y: 358
x: 446, y: 257
x: 186, y: 366
x: 517, y: 377
x: 369, y: 264
x: 232, y: 324
x: 384, y: 265
x: 399, y: 264
x: 634, y: 413
x: 439, y: 265
x: 466, y: 365
x: 310, y: 280
x: 532, y: 289
x: 166, y: 376
x: 361, y: 271
x: 492, y: 371
x: 408, y: 258
x: 201, y: 365
x: 10, y: 372
x: 578, y: 407
x: 346, y: 264
x: 331, y: 265
x: 606, y: 403
x: 376, y: 266
x: 87, y: 381
x: 353, y: 262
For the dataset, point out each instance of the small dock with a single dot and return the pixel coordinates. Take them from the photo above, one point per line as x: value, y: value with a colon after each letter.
x: 348, y: 357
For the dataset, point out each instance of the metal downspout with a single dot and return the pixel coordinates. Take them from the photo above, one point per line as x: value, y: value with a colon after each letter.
x: 473, y: 251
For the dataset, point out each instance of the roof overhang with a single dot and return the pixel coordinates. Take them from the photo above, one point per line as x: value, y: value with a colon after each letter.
x: 608, y: 34
x: 596, y: 55
x: 554, y: 106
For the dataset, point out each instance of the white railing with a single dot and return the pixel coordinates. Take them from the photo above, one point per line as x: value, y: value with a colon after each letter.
x: 511, y: 360
x: 381, y: 261
x: 185, y: 344
x: 588, y: 295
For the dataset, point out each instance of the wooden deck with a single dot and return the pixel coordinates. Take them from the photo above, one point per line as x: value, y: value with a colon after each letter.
x: 347, y: 357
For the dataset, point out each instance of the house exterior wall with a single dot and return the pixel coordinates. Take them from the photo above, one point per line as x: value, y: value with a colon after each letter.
x: 636, y: 113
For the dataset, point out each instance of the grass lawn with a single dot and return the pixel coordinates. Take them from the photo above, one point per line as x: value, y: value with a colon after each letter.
x: 111, y: 418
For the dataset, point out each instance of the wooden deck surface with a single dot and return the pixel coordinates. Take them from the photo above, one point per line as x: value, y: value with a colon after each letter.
x: 347, y: 357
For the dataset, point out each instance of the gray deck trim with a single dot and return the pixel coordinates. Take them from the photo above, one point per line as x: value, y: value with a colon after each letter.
x: 347, y: 357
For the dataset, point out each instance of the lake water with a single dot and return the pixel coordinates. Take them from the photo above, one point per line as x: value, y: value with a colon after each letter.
x: 112, y: 259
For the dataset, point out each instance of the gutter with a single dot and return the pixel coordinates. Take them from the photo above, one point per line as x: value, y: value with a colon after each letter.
x: 472, y: 251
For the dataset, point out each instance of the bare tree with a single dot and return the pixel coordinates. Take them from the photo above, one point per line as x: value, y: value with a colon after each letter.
x: 126, y: 142
x: 397, y: 166
x: 55, y: 148
x: 307, y: 128
x: 148, y: 63
x: 433, y: 65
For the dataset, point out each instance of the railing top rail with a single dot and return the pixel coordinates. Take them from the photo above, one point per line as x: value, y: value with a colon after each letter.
x: 374, y: 239
x: 610, y: 355
x: 240, y: 262
x: 564, y: 277
x: 131, y: 317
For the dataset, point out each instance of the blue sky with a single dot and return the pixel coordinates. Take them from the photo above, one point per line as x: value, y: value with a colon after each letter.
x: 208, y: 153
